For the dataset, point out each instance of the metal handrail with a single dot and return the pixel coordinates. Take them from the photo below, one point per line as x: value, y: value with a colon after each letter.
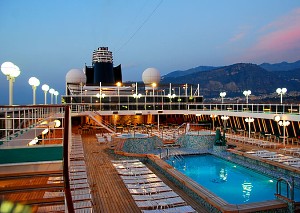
x: 289, y: 187
x: 194, y: 107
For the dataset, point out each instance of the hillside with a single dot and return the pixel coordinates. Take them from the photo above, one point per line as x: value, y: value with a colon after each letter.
x: 283, y: 66
x: 236, y: 78
x: 179, y: 73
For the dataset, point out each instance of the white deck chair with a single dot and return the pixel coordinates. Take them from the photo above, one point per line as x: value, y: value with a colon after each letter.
x: 80, y: 181
x: 53, y: 194
x: 178, y: 209
x: 142, y: 180
x: 82, y: 197
x: 157, y: 196
x: 163, y: 203
x: 79, y: 186
x: 50, y: 209
x: 124, y: 161
x: 145, y: 185
x: 82, y: 204
x: 150, y: 190
x: 134, y: 172
x: 145, y: 176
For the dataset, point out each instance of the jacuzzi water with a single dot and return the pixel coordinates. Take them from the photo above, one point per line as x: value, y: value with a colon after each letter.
x: 136, y: 135
x: 232, y: 182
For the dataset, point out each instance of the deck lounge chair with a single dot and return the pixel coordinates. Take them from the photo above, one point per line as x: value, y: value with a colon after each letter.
x: 142, y: 180
x: 82, y: 205
x: 124, y: 161
x: 157, y: 196
x: 150, y: 190
x: 82, y: 197
x: 178, y: 209
x: 145, y: 176
x: 145, y: 185
x: 134, y: 172
x: 162, y: 203
x: 50, y: 209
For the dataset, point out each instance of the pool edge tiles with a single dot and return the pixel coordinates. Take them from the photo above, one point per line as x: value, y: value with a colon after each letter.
x: 208, y: 199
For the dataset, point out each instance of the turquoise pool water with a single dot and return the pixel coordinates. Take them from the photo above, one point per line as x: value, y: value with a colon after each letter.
x: 232, y: 182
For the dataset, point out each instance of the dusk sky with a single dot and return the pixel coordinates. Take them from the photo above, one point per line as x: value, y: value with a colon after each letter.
x: 48, y: 38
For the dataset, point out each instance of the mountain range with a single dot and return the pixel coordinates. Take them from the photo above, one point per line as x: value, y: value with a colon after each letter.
x: 261, y: 79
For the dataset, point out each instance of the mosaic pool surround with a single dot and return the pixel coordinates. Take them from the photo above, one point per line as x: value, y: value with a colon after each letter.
x: 191, y: 144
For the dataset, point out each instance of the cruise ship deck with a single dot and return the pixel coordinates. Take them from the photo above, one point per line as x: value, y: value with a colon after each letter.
x: 71, y: 161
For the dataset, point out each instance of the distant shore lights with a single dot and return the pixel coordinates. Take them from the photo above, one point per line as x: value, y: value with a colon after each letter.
x: 11, y: 71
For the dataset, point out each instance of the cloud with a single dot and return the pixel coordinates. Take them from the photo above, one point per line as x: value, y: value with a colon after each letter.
x: 279, y: 40
x: 237, y: 37
x: 242, y: 32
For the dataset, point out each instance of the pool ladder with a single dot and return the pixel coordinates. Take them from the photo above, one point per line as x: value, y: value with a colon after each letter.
x: 290, y: 194
x: 178, y: 157
x: 289, y: 188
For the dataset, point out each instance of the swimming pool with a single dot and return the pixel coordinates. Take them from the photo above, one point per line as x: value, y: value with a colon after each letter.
x: 232, y: 182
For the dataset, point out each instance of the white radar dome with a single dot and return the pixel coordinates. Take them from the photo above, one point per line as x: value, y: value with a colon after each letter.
x: 76, y: 76
x: 151, y: 75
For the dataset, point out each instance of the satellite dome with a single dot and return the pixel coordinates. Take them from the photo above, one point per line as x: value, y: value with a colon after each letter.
x: 151, y: 75
x: 76, y: 76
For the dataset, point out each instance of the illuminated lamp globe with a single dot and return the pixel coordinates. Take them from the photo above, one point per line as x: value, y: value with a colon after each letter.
x: 76, y: 76
x: 150, y: 76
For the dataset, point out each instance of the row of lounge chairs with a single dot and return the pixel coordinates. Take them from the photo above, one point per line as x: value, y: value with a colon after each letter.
x: 252, y: 141
x: 150, y: 193
x: 291, y: 151
x: 277, y: 157
x: 80, y: 190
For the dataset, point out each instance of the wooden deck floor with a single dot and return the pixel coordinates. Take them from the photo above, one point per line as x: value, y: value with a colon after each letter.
x: 108, y: 190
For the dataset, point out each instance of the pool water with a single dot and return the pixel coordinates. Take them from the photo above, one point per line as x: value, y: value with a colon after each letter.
x: 136, y: 135
x: 232, y: 182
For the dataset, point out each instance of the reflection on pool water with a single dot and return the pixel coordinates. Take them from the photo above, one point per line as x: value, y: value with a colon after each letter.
x: 232, y: 182
x: 131, y: 135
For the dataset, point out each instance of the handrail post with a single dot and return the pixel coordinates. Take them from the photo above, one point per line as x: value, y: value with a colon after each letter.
x: 68, y: 195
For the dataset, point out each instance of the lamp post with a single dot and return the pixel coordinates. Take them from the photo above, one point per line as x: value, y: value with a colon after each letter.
x: 51, y: 91
x: 281, y: 91
x: 34, y: 82
x: 170, y: 96
x: 213, y: 117
x: 222, y: 94
x: 224, y: 119
x: 118, y: 85
x: 45, y: 88
x: 249, y: 121
x: 136, y: 96
x: 247, y: 93
x: 284, y: 124
x: 100, y: 96
x: 56, y: 93
x: 11, y: 71
x: 153, y: 87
